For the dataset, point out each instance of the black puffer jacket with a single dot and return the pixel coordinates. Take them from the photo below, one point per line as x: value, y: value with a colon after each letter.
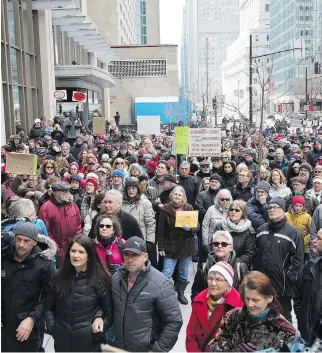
x: 69, y: 318
x: 229, y: 180
x: 147, y: 318
x: 204, y: 200
x: 37, y: 132
x: 24, y: 287
x: 191, y: 187
x: 239, y: 193
x: 280, y: 254
x: 200, y: 282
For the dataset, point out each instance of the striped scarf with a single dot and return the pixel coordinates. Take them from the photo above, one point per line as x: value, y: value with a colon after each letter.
x: 211, y: 302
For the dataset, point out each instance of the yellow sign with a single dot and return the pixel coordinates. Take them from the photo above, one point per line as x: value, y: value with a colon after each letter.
x: 99, y: 125
x: 21, y: 163
x: 182, y: 139
x: 188, y: 218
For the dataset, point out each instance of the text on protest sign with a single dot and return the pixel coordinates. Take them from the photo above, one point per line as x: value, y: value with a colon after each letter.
x: 205, y: 143
x: 182, y: 139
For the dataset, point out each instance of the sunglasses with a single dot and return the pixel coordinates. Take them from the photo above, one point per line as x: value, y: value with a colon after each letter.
x: 234, y: 210
x: 224, y: 200
x: 223, y: 244
x: 318, y: 171
x: 108, y: 226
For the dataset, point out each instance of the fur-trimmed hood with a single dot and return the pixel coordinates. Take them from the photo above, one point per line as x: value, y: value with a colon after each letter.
x: 46, y: 247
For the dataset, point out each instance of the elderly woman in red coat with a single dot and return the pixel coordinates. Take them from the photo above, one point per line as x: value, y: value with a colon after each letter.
x: 210, y: 306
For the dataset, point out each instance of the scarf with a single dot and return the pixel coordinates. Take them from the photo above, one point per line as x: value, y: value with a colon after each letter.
x: 211, y: 302
x: 106, y: 241
x: 230, y: 226
x: 259, y: 317
x: 220, y: 208
x: 277, y: 224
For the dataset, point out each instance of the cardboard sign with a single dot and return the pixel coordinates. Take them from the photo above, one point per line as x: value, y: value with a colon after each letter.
x: 205, y: 143
x: 23, y: 164
x: 148, y: 125
x: 99, y: 125
x: 182, y: 139
x: 189, y: 218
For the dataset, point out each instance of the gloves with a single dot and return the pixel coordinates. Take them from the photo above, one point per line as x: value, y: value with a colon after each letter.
x: 186, y: 228
x: 162, y: 253
x: 114, y: 267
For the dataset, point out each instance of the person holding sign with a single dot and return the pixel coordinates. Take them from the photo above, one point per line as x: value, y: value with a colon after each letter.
x: 176, y: 244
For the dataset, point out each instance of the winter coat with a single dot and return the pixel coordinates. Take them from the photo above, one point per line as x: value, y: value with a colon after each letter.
x: 75, y: 150
x: 302, y: 222
x: 212, y: 217
x: 191, y: 186
x: 257, y: 213
x: 22, y: 286
x: 156, y: 183
x: 280, y: 190
x: 229, y: 180
x: 73, y: 128
x: 59, y: 136
x: 238, y: 329
x: 313, y: 155
x: 243, y: 239
x: 143, y: 212
x: 280, y: 254
x: 69, y: 318
x: 112, y: 253
x: 307, y: 295
x: 176, y: 242
x: 36, y: 133
x: 85, y: 205
x: 282, y: 165
x: 201, y: 324
x: 239, y: 193
x: 130, y: 226
x: 89, y: 221
x: 311, y: 201
x: 200, y: 281
x: 200, y: 175
x: 63, y: 222
x: 316, y: 224
x: 148, y: 317
x: 204, y: 200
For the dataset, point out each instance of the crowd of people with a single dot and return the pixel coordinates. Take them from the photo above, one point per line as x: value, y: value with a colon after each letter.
x: 91, y: 252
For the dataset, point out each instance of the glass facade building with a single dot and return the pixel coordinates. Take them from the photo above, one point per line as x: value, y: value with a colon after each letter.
x: 141, y: 22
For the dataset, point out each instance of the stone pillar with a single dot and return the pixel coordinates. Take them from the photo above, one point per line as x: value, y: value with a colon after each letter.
x: 47, y: 63
x: 107, y: 104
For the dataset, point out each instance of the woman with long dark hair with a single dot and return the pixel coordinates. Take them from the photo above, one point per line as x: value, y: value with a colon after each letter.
x: 259, y: 325
x: 79, y: 310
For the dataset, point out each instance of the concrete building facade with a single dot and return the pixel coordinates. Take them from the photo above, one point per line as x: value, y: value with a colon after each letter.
x: 254, y: 20
x: 148, y: 22
x: 142, y: 71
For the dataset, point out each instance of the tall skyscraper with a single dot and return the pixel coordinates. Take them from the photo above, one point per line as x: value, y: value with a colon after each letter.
x: 213, y: 25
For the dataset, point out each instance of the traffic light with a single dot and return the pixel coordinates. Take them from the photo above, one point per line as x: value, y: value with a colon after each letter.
x: 317, y: 68
x: 214, y: 103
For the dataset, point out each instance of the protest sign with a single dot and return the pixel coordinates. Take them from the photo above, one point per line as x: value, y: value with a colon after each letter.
x: 99, y: 125
x: 148, y: 125
x: 182, y: 139
x: 205, y: 143
x: 20, y: 163
x: 188, y: 218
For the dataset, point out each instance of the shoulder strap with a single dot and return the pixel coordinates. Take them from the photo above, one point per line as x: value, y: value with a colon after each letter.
x: 209, y: 337
x: 238, y: 271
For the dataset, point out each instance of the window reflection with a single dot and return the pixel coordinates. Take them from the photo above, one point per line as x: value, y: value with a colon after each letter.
x: 11, y: 23
x: 14, y: 69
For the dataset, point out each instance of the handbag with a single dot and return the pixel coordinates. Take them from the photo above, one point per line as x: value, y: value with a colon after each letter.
x: 209, y: 337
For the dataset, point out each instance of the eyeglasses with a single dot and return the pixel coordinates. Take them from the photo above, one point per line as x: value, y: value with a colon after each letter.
x: 224, y: 200
x: 223, y: 244
x: 108, y: 226
x: 234, y: 210
x: 131, y: 255
x: 216, y: 279
x: 273, y: 207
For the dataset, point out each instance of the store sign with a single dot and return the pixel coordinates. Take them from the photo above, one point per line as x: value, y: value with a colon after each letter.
x: 60, y: 94
x: 79, y: 96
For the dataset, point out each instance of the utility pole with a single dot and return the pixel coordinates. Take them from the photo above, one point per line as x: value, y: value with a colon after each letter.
x: 207, y: 69
x: 306, y: 93
x: 250, y: 81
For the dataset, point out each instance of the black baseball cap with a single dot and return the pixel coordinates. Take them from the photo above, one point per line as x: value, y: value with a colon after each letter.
x: 136, y: 245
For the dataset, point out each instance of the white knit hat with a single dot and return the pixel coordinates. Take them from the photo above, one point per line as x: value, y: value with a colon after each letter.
x: 225, y: 270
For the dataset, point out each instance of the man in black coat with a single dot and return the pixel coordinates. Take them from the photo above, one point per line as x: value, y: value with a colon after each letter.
x: 25, y: 275
x: 188, y: 182
x: 280, y: 253
x: 147, y: 315
x: 308, y: 293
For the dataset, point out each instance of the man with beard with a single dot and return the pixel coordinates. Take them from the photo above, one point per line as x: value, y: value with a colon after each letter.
x: 205, y: 171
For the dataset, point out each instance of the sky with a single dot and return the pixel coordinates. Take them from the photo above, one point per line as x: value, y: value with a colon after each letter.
x: 171, y: 21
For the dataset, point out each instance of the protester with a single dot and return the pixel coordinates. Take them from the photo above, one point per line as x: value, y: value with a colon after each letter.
x: 244, y: 189
x: 147, y: 316
x: 78, y: 310
x: 210, y: 306
x: 278, y: 188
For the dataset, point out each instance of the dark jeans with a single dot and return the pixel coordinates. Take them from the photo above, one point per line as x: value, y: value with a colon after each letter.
x: 286, y: 303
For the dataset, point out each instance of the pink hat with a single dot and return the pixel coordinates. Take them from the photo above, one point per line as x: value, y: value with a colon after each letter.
x: 225, y: 270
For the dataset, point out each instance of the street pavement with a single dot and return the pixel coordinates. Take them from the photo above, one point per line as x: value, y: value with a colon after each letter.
x: 185, y: 311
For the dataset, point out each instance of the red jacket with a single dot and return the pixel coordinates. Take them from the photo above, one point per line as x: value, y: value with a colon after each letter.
x: 63, y: 222
x: 199, y: 326
x: 112, y: 250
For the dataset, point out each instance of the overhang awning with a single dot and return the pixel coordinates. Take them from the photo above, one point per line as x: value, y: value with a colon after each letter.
x: 87, y: 73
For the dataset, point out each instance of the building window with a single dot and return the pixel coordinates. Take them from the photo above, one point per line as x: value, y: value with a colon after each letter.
x: 266, y: 7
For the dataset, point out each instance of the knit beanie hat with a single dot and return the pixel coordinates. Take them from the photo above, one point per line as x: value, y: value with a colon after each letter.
x: 278, y: 201
x: 118, y: 173
x: 225, y: 270
x: 215, y: 176
x: 143, y: 177
x: 76, y: 177
x: 29, y: 230
x: 264, y: 185
x: 298, y: 199
x: 74, y: 164
x: 132, y: 181
x: 306, y: 166
x: 92, y: 181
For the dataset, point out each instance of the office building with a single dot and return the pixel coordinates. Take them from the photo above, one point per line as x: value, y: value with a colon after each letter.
x: 148, y: 22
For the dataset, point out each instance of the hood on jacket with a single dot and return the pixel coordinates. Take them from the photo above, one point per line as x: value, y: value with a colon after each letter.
x: 47, y: 248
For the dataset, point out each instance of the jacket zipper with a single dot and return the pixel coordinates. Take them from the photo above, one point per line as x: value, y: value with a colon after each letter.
x: 284, y: 274
x: 70, y: 317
